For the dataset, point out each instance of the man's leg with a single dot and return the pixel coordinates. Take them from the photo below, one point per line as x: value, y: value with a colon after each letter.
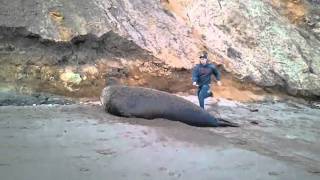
x: 210, y: 93
x: 203, y: 93
x: 198, y: 94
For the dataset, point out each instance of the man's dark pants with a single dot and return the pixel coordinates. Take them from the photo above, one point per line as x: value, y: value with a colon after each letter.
x: 203, y: 92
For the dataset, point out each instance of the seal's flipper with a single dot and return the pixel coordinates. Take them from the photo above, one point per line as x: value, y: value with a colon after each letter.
x: 225, y: 123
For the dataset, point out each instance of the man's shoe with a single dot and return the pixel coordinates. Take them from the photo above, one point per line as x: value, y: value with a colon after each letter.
x: 210, y: 94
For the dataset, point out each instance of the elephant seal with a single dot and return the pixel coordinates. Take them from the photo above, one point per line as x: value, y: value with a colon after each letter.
x: 148, y: 103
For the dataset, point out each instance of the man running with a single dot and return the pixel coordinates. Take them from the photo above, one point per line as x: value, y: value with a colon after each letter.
x: 201, y: 77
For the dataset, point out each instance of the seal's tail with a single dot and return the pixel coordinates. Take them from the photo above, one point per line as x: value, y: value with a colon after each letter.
x: 225, y: 123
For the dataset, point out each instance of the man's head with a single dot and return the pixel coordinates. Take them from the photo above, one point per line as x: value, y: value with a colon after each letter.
x: 204, y: 59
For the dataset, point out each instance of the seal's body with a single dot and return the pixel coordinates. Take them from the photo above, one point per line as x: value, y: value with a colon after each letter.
x: 150, y: 104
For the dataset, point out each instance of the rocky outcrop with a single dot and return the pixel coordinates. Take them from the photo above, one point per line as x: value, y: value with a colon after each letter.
x: 267, y: 42
x: 71, y: 47
x: 144, y: 22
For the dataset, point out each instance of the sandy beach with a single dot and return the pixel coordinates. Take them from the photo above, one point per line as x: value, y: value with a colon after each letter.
x: 80, y: 141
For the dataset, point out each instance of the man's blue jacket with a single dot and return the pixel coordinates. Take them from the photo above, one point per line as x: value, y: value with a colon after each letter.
x: 202, y: 74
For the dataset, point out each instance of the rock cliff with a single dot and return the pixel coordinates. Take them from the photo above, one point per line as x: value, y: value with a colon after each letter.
x: 75, y: 47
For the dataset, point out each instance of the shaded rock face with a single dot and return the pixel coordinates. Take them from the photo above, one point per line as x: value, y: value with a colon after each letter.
x: 79, y: 67
x: 73, y: 47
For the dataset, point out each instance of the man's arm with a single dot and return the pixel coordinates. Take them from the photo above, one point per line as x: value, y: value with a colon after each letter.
x: 195, y: 75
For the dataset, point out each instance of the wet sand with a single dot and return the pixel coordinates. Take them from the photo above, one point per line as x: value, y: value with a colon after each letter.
x: 75, y: 142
